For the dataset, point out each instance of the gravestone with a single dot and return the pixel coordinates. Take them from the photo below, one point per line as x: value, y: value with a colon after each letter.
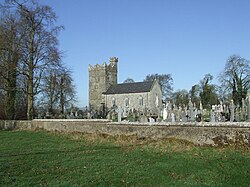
x: 172, y: 117
x: 119, y: 114
x: 201, y: 107
x: 108, y: 116
x: 89, y: 115
x: 47, y: 116
x: 165, y: 114
x: 237, y: 115
x: 243, y: 110
x: 177, y: 116
x: 191, y: 111
x: 183, y: 116
x: 143, y: 119
x: 113, y: 115
x: 71, y: 115
x: 248, y: 106
x: 212, y: 116
x: 151, y: 120
x: 232, y: 107
x: 125, y: 112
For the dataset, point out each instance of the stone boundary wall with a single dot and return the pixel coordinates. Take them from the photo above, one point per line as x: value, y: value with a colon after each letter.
x: 199, y: 133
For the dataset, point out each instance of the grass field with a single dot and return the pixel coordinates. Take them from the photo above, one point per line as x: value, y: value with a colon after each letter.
x: 53, y: 159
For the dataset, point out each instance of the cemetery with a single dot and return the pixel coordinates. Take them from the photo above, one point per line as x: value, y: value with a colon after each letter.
x: 67, y: 118
x: 168, y: 113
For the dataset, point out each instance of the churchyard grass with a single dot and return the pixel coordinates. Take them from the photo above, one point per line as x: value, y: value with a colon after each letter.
x: 52, y: 159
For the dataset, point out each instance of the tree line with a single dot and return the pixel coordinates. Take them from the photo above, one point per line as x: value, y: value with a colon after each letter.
x: 31, y: 70
x: 234, y: 85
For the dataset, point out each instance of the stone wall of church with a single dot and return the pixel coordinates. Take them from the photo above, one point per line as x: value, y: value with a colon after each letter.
x: 137, y: 101
x: 155, y: 98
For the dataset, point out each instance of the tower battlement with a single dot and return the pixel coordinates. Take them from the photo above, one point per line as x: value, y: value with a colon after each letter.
x: 111, y: 65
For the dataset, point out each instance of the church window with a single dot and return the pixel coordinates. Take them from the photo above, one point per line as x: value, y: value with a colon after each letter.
x: 113, y: 101
x: 141, y: 101
x: 156, y: 100
x: 126, y: 102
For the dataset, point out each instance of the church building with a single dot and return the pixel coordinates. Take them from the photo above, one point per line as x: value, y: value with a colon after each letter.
x: 104, y: 91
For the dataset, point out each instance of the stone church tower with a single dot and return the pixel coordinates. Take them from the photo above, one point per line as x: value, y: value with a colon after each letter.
x: 100, y: 78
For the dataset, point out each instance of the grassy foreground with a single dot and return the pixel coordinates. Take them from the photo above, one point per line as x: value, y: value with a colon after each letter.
x: 51, y: 159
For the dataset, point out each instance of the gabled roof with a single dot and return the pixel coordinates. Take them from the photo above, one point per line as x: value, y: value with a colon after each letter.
x: 137, y: 87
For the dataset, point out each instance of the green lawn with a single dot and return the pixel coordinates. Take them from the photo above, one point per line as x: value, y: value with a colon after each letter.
x: 50, y: 159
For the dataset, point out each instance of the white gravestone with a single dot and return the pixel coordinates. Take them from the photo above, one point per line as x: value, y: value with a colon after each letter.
x: 120, y: 114
x: 165, y: 113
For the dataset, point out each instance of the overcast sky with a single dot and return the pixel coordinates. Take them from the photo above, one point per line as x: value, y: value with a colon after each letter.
x: 185, y: 38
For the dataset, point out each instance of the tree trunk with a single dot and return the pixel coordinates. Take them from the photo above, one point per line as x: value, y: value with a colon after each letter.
x: 11, y: 95
x: 30, y: 109
x: 51, y: 94
x: 61, y: 97
x: 30, y: 95
x: 11, y: 85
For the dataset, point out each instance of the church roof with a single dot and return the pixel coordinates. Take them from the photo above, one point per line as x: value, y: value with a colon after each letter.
x: 136, y: 87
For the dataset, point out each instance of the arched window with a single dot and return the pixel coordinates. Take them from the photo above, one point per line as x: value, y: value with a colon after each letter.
x: 126, y: 103
x: 140, y: 101
x: 156, y: 100
x: 113, y: 101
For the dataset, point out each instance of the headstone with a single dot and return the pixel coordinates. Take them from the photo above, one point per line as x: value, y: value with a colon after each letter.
x: 89, y: 115
x: 125, y: 112
x: 71, y: 115
x: 67, y: 116
x: 243, y: 110
x: 151, y: 120
x: 165, y: 114
x: 248, y: 106
x: 120, y: 114
x: 172, y: 117
x: 47, y: 115
x: 143, y: 119
x: 190, y: 110
x: 183, y: 116
x: 177, y: 116
x: 113, y: 115
x: 108, y: 116
x: 201, y: 107
x: 232, y: 107
x: 212, y: 116
x: 237, y: 115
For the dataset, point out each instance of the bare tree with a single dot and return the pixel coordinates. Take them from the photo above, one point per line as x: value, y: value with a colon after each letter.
x: 58, y: 90
x: 208, y: 93
x: 236, y: 77
x: 67, y: 93
x: 180, y: 98
x: 129, y: 80
x: 165, y: 81
x: 50, y: 89
x: 38, y: 46
x: 194, y: 94
x: 10, y: 38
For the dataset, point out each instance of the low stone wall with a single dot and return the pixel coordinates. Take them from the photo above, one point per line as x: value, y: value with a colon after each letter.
x: 198, y: 133
x: 13, y: 124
